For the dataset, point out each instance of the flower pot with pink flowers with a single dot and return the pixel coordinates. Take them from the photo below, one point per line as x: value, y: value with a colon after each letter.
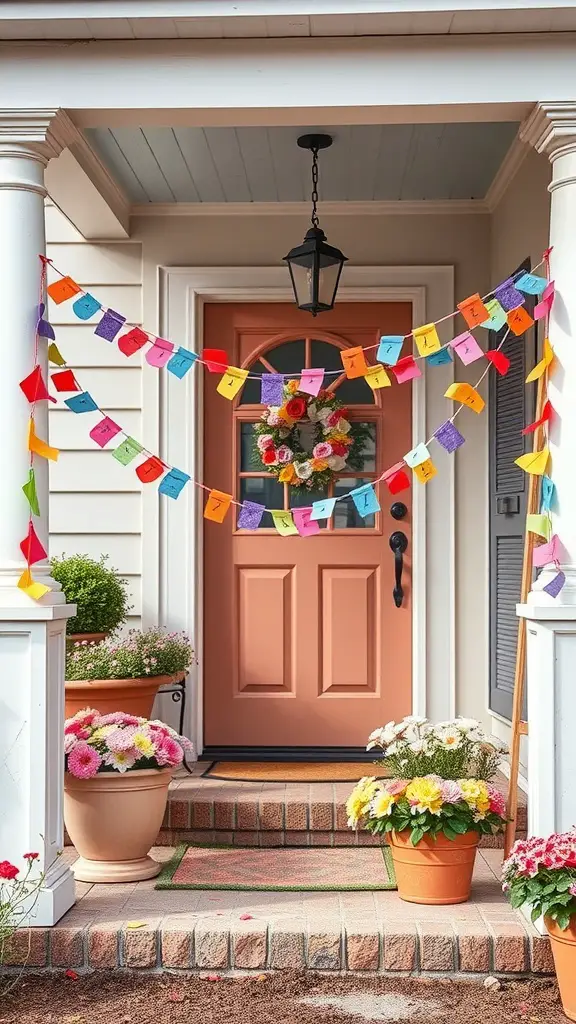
x: 541, y: 874
x: 125, y: 671
x: 118, y: 769
x: 432, y: 805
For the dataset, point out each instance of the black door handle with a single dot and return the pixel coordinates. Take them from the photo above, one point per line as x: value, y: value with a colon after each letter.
x: 398, y: 542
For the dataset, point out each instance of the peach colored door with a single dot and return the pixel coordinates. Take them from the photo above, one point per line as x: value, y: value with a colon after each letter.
x: 303, y: 644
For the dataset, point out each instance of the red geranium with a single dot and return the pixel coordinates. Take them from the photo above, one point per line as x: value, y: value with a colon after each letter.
x: 8, y: 870
x: 296, y: 408
x: 269, y: 456
x: 339, y: 448
x: 31, y: 856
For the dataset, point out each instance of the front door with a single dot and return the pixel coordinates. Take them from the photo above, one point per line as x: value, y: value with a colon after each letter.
x: 303, y: 643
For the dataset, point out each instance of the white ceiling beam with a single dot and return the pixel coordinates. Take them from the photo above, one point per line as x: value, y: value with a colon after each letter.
x: 368, y: 208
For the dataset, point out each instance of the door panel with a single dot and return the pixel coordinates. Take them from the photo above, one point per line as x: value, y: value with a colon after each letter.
x: 303, y: 644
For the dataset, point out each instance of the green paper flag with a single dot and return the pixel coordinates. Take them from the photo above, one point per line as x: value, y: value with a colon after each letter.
x: 54, y: 355
x: 127, y: 451
x: 539, y: 524
x: 29, y: 489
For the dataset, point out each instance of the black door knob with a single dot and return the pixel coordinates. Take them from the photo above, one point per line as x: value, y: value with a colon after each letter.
x: 398, y: 542
x: 398, y: 510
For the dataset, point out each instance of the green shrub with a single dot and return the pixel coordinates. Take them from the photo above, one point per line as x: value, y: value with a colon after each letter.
x: 100, y: 595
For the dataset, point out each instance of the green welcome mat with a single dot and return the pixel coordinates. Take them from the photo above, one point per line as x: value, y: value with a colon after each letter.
x: 279, y: 869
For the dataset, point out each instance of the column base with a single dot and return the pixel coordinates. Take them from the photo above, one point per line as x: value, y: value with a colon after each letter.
x: 54, y: 899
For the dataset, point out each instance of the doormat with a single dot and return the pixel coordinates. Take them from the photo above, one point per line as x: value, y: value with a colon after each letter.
x: 279, y: 869
x: 291, y: 771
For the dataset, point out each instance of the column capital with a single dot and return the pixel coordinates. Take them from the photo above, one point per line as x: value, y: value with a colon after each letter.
x: 551, y: 127
x: 45, y: 131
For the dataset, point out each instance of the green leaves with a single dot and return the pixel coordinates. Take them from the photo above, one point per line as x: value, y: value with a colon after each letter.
x: 100, y: 595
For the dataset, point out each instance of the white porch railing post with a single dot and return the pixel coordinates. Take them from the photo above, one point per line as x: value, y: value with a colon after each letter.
x: 551, y: 622
x: 32, y: 635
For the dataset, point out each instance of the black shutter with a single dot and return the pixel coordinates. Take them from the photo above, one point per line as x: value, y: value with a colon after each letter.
x: 511, y: 405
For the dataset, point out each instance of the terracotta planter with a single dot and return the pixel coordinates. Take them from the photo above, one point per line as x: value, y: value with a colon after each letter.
x: 435, y: 871
x: 91, y: 638
x: 564, y: 953
x: 134, y: 696
x: 113, y: 820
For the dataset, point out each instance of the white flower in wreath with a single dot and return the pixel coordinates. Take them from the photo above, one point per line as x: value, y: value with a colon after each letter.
x: 336, y: 462
x: 273, y: 419
x: 343, y: 426
x: 303, y: 470
x: 284, y: 454
x: 324, y: 413
x: 312, y: 413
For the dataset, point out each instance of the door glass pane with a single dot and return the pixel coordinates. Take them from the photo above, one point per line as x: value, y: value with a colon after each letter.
x: 351, y: 392
x: 250, y: 461
x: 266, y: 491
x: 250, y: 394
x: 368, y: 454
x: 345, y: 513
x: 289, y: 357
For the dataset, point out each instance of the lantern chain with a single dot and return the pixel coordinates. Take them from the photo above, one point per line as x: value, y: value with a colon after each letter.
x: 314, y: 218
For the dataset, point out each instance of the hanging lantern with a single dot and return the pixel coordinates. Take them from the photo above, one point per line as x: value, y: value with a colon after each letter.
x: 315, y: 266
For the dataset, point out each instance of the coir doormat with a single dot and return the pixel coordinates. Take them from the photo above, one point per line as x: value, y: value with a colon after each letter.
x: 296, y: 771
x: 279, y: 869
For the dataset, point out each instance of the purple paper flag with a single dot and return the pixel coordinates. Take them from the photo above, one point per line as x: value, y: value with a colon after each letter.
x: 250, y: 515
x: 311, y: 381
x: 110, y: 325
x: 508, y: 295
x: 555, y: 586
x: 272, y: 392
x: 44, y: 329
x: 448, y: 436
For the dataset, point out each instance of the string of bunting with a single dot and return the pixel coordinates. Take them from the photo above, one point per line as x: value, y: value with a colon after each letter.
x: 504, y: 307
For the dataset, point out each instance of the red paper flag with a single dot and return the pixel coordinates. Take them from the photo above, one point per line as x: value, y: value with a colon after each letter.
x: 215, y: 358
x: 31, y: 547
x: 64, y: 380
x: 396, y: 478
x: 150, y: 470
x: 499, y: 360
x: 34, y: 387
x: 546, y: 416
x: 131, y: 342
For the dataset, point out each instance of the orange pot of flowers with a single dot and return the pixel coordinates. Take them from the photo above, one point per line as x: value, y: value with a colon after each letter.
x: 437, y: 870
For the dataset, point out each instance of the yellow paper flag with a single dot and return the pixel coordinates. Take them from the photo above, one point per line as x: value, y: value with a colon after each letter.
x: 540, y: 524
x: 283, y: 522
x: 467, y: 395
x: 545, y: 362
x: 30, y: 587
x: 426, y: 339
x: 377, y: 377
x: 37, y: 445
x: 425, y: 471
x: 54, y: 355
x: 217, y: 505
x: 534, y: 462
x: 229, y: 385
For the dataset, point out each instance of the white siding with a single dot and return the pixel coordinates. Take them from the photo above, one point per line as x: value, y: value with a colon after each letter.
x: 95, y: 503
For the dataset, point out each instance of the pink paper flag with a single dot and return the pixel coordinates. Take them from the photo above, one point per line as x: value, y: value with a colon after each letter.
x: 311, y: 381
x: 546, y: 553
x: 406, y: 369
x: 305, y: 526
x: 159, y: 353
x: 104, y: 431
x: 545, y: 305
x: 467, y: 347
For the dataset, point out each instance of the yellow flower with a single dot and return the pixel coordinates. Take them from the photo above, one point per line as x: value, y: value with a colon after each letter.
x: 144, y: 744
x: 319, y: 464
x: 382, y: 804
x: 424, y: 795
x: 287, y: 474
x: 338, y: 436
x: 101, y: 733
x: 284, y: 415
x: 358, y: 803
x: 293, y: 386
x: 475, y: 793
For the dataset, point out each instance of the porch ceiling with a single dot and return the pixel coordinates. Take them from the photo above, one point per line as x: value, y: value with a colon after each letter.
x: 367, y: 162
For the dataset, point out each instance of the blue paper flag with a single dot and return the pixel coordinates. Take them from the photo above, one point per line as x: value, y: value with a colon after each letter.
x: 272, y: 389
x: 181, y: 361
x: 86, y: 306
x: 548, y: 494
x: 389, y: 349
x: 440, y: 357
x: 531, y: 284
x: 81, y: 403
x: 110, y: 325
x: 173, y: 482
x: 365, y: 500
x: 250, y: 515
x: 44, y: 329
x: 322, y: 509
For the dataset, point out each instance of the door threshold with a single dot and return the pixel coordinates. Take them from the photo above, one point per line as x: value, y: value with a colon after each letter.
x: 287, y: 754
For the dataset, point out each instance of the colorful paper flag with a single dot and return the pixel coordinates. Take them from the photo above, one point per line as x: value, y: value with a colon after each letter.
x: 81, y: 403
x: 104, y: 431
x: 406, y: 369
x: 173, y: 483
x: 283, y: 522
x: 425, y: 471
x: 508, y: 295
x: 390, y: 348
x: 305, y: 525
x: 546, y: 554
x: 64, y: 380
x: 497, y: 316
x: 34, y: 387
x: 555, y: 585
x: 519, y: 321
x: 43, y: 327
x: 542, y: 366
x: 540, y: 524
x: 230, y: 384
x: 38, y: 446
x: 31, y: 587
x: 376, y: 377
x: 159, y: 353
x: 467, y: 395
x: 62, y: 290
x: 426, y: 338
x: 449, y: 437
x: 498, y: 360
x: 547, y: 413
x: 29, y: 489
x: 216, y: 359
x: 545, y: 305
x: 133, y: 341
x: 440, y: 357
x: 417, y: 455
x: 250, y: 515
x: 467, y: 348
x: 353, y: 361
x: 127, y: 451
x: 150, y: 470
x: 110, y: 325
x: 217, y: 505
x: 534, y: 462
x: 310, y: 383
x: 54, y: 356
x: 473, y: 310
x: 365, y: 499
x: 182, y: 361
x: 396, y: 478
x: 272, y: 389
x: 531, y: 284
x: 86, y: 306
x: 548, y: 494
x: 323, y: 508
x: 32, y: 548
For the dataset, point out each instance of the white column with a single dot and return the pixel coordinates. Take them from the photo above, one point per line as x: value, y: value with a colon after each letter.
x: 32, y: 634
x: 551, y: 622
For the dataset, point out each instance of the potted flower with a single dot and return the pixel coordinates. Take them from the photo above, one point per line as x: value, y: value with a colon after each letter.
x: 100, y: 596
x: 118, y: 769
x: 434, y: 805
x: 541, y: 873
x: 125, y: 672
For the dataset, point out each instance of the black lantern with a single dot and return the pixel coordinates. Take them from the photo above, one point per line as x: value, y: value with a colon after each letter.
x: 315, y: 266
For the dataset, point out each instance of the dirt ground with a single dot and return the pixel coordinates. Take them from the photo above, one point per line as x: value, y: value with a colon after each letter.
x: 275, y: 999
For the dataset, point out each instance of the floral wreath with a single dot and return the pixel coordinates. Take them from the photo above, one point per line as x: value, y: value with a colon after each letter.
x: 337, y: 443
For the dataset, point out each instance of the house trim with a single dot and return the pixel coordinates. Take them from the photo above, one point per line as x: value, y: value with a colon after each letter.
x: 178, y: 526
x: 354, y: 208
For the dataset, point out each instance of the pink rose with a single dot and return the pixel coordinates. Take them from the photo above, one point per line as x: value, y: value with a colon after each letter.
x: 284, y: 454
x: 322, y: 450
x: 264, y: 441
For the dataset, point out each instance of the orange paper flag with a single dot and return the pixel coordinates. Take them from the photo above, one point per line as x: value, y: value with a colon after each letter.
x: 519, y: 320
x: 62, y: 290
x: 473, y: 310
x: 354, y: 362
x: 31, y: 587
x: 217, y: 506
x: 38, y: 446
